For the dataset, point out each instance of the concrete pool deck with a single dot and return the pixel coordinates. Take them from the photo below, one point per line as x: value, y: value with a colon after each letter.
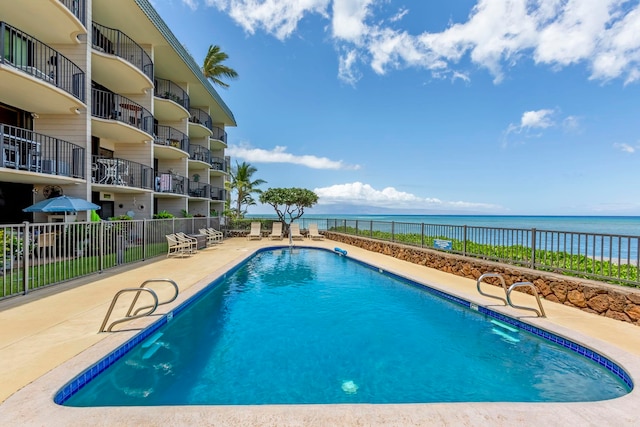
x: 49, y: 336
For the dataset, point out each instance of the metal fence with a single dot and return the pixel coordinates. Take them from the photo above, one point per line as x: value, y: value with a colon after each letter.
x: 607, y: 257
x: 39, y: 255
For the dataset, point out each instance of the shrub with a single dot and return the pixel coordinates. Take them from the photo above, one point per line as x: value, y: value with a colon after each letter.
x: 163, y: 215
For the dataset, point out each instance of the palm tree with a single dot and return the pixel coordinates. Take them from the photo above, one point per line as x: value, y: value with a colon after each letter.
x: 241, y: 182
x: 213, y: 68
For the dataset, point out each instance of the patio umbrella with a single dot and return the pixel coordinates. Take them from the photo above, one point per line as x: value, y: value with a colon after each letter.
x: 62, y: 204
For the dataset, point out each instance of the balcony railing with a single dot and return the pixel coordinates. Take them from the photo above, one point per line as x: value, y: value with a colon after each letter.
x: 115, y: 171
x: 169, y: 90
x: 218, y: 163
x: 24, y: 149
x: 167, y: 182
x: 115, y: 42
x: 218, y: 193
x: 31, y: 56
x: 200, y: 153
x: 168, y: 136
x: 78, y: 8
x: 197, y: 189
x: 219, y: 134
x: 111, y: 106
x: 200, y: 117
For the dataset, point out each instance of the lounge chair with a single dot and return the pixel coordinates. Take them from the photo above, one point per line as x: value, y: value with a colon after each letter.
x: 212, y: 239
x: 216, y: 233
x: 255, y: 232
x: 276, y: 231
x: 46, y: 242
x: 314, y: 233
x: 183, y: 238
x: 294, y: 231
x: 176, y: 247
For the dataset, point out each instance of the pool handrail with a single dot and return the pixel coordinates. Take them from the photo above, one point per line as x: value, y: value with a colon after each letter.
x: 126, y: 319
x: 504, y: 286
x: 540, y: 313
x: 143, y: 285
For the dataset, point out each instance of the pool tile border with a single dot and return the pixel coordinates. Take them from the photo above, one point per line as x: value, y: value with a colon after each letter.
x: 79, y: 381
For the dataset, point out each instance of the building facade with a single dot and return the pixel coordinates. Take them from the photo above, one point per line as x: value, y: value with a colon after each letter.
x: 99, y: 100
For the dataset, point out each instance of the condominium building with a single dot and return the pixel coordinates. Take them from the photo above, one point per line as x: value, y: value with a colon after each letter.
x: 99, y: 100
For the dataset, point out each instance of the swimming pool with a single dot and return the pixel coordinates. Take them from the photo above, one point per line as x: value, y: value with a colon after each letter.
x: 307, y: 326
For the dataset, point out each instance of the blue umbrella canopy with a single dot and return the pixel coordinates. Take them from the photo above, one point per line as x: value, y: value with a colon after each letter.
x: 62, y: 204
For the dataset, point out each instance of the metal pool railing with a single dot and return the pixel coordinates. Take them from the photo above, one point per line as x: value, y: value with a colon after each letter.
x: 34, y: 256
x: 600, y: 256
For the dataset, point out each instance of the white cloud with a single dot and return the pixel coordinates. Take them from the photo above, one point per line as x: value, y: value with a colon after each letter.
x: 365, y: 195
x: 600, y: 34
x: 536, y: 119
x: 398, y: 16
x: 348, y: 21
x: 532, y: 122
x: 277, y: 17
x: 193, y: 4
x: 625, y: 148
x: 279, y: 155
x: 571, y: 124
x: 347, y: 71
x: 457, y: 75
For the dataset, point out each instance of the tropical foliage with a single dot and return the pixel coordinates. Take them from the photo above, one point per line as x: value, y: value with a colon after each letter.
x: 244, y: 186
x: 163, y: 215
x: 289, y: 202
x: 214, y: 70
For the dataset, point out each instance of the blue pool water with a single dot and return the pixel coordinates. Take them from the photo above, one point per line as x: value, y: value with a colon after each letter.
x: 309, y: 326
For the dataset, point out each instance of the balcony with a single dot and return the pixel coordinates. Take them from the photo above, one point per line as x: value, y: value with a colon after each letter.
x: 218, y: 166
x: 200, y: 154
x: 27, y: 151
x: 118, y: 62
x: 65, y: 19
x: 218, y: 139
x: 35, y: 77
x: 170, y: 185
x: 172, y: 102
x: 120, y: 118
x: 218, y: 193
x: 199, y: 190
x: 170, y: 143
x: 109, y: 172
x: 200, y: 123
x: 77, y: 8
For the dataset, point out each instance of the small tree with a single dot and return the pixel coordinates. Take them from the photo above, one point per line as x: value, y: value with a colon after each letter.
x: 243, y: 184
x: 289, y: 202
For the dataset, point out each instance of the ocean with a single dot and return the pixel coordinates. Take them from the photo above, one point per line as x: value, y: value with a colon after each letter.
x: 616, y: 225
x: 615, y: 238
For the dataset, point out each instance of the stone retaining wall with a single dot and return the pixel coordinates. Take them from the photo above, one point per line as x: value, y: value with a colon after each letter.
x: 617, y: 302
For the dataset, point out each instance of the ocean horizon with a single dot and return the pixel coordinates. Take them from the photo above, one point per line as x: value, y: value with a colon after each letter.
x: 615, y: 225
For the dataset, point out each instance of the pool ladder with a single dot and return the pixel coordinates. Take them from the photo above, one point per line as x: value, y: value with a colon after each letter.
x: 136, y: 314
x: 507, y: 292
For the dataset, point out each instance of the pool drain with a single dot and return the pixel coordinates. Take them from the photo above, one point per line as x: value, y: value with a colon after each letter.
x: 349, y: 387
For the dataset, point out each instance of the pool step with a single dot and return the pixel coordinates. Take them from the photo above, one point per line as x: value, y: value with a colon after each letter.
x: 504, y: 326
x: 505, y: 335
x: 152, y: 350
x: 148, y: 343
x: 503, y: 330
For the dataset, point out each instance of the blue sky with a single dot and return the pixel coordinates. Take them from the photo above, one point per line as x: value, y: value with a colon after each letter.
x: 515, y: 107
